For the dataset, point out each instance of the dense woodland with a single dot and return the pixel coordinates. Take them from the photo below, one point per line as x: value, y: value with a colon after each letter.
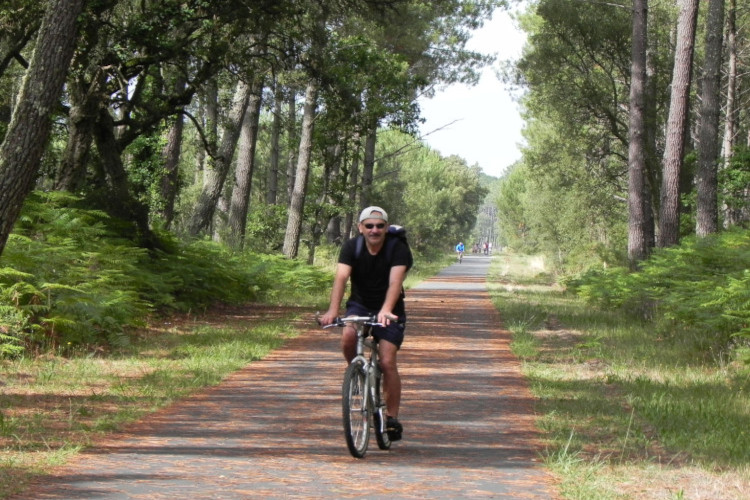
x: 637, y: 128
x: 200, y: 116
x: 255, y: 126
x: 181, y: 130
x: 635, y: 177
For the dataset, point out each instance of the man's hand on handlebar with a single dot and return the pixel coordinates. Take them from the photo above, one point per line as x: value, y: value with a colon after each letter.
x: 385, y: 317
x: 327, y: 318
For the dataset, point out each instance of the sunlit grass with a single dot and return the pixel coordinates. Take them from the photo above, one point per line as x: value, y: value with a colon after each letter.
x: 625, y: 405
x: 52, y: 406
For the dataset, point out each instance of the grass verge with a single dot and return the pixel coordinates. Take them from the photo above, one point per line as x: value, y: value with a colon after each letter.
x: 627, y: 410
x: 53, y: 406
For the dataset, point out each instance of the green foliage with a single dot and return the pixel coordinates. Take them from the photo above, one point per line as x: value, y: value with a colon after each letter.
x: 265, y: 228
x: 734, y: 180
x: 584, y: 227
x: 701, y: 286
x: 68, y: 280
x: 145, y: 168
x: 437, y: 199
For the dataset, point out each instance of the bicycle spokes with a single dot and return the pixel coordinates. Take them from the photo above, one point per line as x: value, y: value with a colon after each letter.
x: 356, y: 411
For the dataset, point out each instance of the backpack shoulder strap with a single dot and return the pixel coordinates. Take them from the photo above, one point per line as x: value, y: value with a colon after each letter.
x: 358, y: 246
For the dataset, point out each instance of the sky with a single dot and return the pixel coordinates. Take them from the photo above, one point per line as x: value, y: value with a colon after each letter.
x: 481, y: 124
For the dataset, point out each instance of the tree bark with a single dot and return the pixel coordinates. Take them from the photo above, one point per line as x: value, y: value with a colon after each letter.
x: 333, y: 227
x: 243, y: 173
x: 707, y: 217
x: 171, y: 178
x: 272, y: 177
x: 120, y: 202
x: 669, y: 218
x: 28, y: 131
x: 292, y: 144
x: 368, y: 167
x: 84, y: 111
x: 637, y: 207
x: 297, y: 201
x: 349, y: 226
x: 731, y: 216
x: 210, y: 115
x: 217, y: 168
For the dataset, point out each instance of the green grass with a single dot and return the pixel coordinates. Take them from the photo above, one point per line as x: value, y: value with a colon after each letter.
x: 628, y: 410
x: 51, y: 406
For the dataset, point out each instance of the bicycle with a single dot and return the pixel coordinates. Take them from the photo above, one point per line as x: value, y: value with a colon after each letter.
x: 460, y: 257
x: 362, y: 401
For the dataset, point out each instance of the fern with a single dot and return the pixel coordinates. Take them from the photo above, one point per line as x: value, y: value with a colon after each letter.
x: 69, y: 279
x: 703, y: 286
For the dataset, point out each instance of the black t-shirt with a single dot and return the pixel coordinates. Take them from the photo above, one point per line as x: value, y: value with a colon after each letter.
x: 371, y: 273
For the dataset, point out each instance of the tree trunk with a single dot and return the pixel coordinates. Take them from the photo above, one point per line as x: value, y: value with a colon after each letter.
x: 243, y: 173
x: 292, y: 144
x: 333, y: 226
x: 730, y: 113
x: 217, y: 168
x: 170, y: 179
x: 210, y: 114
x: 637, y: 207
x: 120, y: 203
x: 707, y: 217
x: 85, y: 101
x: 28, y: 131
x: 368, y: 168
x: 349, y: 226
x: 297, y: 202
x: 669, y: 218
x: 272, y: 176
x: 653, y: 159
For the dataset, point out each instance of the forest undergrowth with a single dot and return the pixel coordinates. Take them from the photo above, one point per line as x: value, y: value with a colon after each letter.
x: 630, y: 407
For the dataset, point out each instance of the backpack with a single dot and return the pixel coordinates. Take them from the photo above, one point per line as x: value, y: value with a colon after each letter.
x: 395, y: 233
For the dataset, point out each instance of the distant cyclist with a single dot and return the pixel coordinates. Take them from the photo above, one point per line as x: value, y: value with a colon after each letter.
x: 460, y: 251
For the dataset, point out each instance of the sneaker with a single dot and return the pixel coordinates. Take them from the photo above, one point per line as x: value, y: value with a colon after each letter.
x: 394, y: 428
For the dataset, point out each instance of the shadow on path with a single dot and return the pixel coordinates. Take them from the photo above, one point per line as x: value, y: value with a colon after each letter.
x: 273, y: 429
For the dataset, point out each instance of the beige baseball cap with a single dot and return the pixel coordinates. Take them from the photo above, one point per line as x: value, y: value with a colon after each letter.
x: 373, y: 213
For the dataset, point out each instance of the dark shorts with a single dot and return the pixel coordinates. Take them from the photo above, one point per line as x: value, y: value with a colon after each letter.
x: 393, y: 333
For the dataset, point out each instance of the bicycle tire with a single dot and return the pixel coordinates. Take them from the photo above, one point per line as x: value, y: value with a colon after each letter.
x: 381, y: 435
x: 356, y: 410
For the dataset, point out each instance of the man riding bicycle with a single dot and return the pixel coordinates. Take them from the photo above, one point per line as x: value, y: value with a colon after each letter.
x: 377, y: 288
x: 460, y: 250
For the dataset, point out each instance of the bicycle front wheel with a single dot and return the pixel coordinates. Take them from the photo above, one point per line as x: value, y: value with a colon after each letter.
x: 356, y: 410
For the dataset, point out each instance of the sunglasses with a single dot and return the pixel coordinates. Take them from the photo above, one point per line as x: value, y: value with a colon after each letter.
x: 370, y: 226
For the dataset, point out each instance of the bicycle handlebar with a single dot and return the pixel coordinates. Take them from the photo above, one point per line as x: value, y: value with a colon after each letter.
x: 371, y: 320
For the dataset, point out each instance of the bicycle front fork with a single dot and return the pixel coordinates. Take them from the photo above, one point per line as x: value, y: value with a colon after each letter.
x: 377, y: 405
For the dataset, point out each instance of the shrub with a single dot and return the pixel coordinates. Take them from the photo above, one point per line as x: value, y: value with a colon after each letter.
x: 702, y: 285
x: 68, y: 279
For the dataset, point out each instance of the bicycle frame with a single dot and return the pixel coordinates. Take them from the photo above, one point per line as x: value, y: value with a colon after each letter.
x: 372, y: 370
x: 373, y: 407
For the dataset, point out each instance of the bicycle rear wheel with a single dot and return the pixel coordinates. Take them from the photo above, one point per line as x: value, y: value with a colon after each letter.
x: 381, y: 435
x: 356, y: 410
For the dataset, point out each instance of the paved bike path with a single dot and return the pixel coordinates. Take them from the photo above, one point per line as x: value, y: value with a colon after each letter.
x: 273, y: 429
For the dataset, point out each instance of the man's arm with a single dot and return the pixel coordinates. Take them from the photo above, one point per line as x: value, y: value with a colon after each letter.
x: 343, y: 271
x: 395, y: 285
